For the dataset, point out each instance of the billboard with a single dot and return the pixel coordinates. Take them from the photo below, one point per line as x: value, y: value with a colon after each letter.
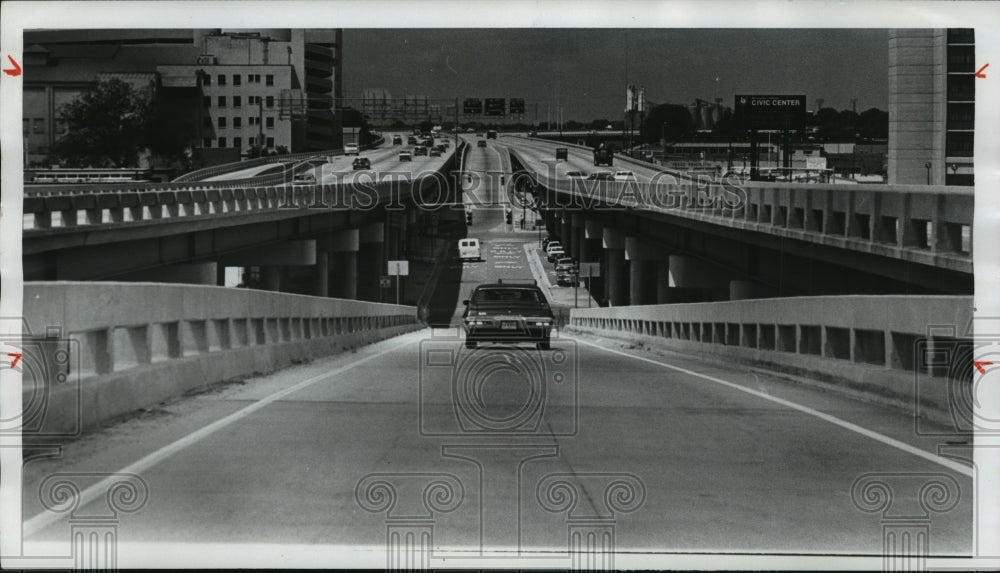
x: 472, y: 106
x: 495, y: 106
x: 770, y: 111
x: 517, y: 106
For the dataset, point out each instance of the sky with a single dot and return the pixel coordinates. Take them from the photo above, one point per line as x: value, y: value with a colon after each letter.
x: 584, y: 70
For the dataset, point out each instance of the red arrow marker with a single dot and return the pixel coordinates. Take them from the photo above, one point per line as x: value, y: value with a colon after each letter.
x: 17, y: 356
x: 16, y: 70
x: 979, y: 365
x: 980, y: 73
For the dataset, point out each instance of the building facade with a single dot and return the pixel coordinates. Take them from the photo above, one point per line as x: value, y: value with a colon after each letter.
x: 931, y: 106
x: 276, y: 89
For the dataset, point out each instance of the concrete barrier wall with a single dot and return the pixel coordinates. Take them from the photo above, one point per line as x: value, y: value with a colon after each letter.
x: 882, y: 346
x: 132, y: 345
x: 930, y: 225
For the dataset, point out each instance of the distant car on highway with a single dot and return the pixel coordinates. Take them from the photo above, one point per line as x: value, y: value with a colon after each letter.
x: 362, y: 163
x: 397, y: 140
x: 491, y: 134
x: 419, y: 150
x: 603, y: 156
x: 624, y: 176
x: 434, y: 152
x: 601, y: 176
x: 405, y: 155
x: 411, y: 140
x: 562, y: 153
x: 481, y: 143
x: 579, y: 174
x: 351, y: 149
x: 304, y: 179
x: 503, y: 312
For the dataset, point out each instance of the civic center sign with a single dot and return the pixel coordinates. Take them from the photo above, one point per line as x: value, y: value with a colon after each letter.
x: 771, y: 111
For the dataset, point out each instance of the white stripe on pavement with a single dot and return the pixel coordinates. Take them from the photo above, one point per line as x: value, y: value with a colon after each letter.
x: 950, y: 464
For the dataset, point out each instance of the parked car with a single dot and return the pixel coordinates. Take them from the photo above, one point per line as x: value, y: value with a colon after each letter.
x: 362, y: 163
x: 555, y: 253
x: 565, y: 264
x: 567, y: 278
x: 506, y: 313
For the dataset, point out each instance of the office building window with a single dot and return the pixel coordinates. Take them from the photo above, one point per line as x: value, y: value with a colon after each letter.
x: 206, y: 80
x: 237, y: 101
x: 222, y: 79
x: 252, y: 120
x: 238, y: 142
x: 251, y: 100
x: 206, y: 142
x: 269, y: 79
x: 269, y: 122
x: 38, y: 125
x: 269, y: 102
x: 237, y: 122
x: 961, y: 35
x: 222, y: 142
x: 961, y: 58
x: 961, y: 116
x: 222, y: 101
x: 961, y: 87
x: 270, y: 142
x: 206, y: 101
x: 222, y: 122
x: 237, y: 80
x: 958, y: 144
x: 256, y: 78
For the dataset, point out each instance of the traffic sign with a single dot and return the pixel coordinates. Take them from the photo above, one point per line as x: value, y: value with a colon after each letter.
x: 590, y: 269
x: 770, y: 111
x: 399, y: 268
x: 517, y: 106
x: 384, y: 281
x: 495, y: 106
x: 472, y: 106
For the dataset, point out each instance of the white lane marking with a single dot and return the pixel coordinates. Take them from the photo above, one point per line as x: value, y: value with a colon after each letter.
x: 950, y: 464
x: 88, y: 495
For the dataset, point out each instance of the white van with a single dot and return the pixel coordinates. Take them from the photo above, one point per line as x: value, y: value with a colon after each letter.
x: 469, y: 250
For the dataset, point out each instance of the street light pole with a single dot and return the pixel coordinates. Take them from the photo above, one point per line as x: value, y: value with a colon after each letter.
x: 928, y: 167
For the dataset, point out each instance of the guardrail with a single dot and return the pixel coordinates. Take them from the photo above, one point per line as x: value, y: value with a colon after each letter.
x: 930, y: 225
x: 118, y: 347
x: 123, y: 203
x: 881, y: 345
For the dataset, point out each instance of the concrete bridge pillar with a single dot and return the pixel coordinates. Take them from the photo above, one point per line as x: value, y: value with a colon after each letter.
x: 271, y: 277
x: 566, y: 231
x: 686, y: 275
x: 616, y: 279
x: 371, y: 260
x: 591, y: 241
x: 644, y: 259
x: 343, y: 264
x: 741, y: 290
x: 577, y: 235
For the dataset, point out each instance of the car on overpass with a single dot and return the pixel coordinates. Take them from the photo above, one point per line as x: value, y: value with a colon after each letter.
x: 362, y: 163
x: 481, y: 143
x: 405, y: 155
x: 491, y: 134
x: 624, y: 176
x: 507, y: 312
x: 601, y: 176
x: 351, y: 149
x: 578, y: 174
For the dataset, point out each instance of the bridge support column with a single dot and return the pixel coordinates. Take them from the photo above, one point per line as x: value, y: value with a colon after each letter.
x: 688, y: 275
x: 741, y: 290
x: 343, y: 264
x: 371, y: 261
x: 271, y: 277
x: 578, y: 235
x: 274, y: 261
x: 566, y: 231
x: 616, y: 279
x: 644, y: 259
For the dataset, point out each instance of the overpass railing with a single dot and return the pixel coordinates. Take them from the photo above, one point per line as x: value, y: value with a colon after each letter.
x: 885, y: 346
x: 111, y: 348
x: 930, y: 225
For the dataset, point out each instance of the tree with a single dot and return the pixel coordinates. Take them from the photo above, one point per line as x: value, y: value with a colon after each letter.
x: 873, y: 123
x: 670, y: 120
x: 107, y: 126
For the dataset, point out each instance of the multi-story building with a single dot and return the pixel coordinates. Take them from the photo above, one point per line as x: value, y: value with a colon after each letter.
x: 243, y: 88
x: 931, y: 106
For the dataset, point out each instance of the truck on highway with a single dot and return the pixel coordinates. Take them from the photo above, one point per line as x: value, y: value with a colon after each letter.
x: 603, y: 155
